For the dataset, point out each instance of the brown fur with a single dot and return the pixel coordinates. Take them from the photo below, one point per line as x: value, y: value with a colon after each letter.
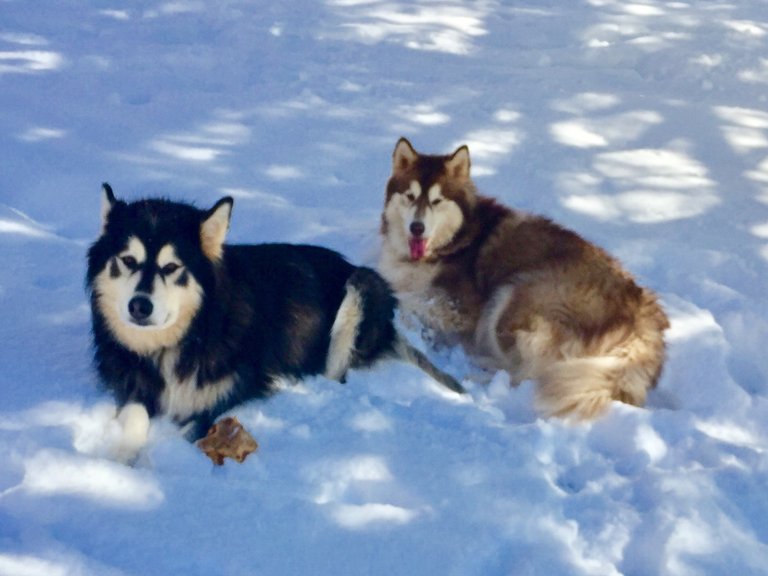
x: 227, y: 439
x: 521, y: 291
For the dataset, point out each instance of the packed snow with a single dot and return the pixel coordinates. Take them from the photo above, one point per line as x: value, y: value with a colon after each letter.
x: 642, y: 125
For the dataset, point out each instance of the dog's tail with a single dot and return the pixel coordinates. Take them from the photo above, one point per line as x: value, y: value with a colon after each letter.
x: 583, y: 387
x: 408, y: 353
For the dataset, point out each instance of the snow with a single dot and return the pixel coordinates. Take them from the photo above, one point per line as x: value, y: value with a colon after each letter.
x: 642, y: 125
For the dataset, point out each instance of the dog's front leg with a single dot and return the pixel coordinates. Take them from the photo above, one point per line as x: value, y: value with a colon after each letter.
x: 133, y: 420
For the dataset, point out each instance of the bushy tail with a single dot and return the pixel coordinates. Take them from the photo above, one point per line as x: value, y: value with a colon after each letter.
x: 583, y: 388
x: 579, y: 389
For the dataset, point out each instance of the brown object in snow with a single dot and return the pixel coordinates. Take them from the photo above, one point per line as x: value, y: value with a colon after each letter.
x: 227, y: 439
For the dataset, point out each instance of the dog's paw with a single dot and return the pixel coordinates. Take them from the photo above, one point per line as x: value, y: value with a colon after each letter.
x: 133, y: 421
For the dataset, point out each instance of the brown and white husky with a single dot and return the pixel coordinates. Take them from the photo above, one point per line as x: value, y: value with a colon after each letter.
x: 517, y: 290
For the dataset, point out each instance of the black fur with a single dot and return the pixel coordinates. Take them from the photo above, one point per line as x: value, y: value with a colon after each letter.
x: 376, y: 332
x: 267, y: 310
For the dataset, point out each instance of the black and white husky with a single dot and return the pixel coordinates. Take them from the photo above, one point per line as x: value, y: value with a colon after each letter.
x: 187, y: 326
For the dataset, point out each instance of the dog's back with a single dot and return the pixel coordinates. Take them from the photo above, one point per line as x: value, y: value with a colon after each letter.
x: 284, y: 298
x: 317, y: 313
x: 571, y: 318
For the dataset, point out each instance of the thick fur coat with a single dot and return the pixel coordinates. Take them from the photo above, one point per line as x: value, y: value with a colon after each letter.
x: 520, y: 292
x: 187, y: 326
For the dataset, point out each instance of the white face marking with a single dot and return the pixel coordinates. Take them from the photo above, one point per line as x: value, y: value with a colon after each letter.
x: 435, y: 194
x: 168, y: 297
x: 123, y: 287
x: 415, y: 189
x: 135, y: 249
x: 167, y: 255
x: 175, y: 297
x: 440, y: 216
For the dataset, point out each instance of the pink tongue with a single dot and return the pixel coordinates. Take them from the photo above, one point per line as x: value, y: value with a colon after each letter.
x: 418, y: 248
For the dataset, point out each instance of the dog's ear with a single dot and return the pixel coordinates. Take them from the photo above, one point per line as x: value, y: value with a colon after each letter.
x: 108, y: 200
x: 213, y: 229
x: 404, y: 156
x: 458, y: 164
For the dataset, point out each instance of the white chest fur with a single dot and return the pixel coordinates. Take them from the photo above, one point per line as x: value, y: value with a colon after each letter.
x: 418, y: 296
x: 182, y: 398
x: 404, y: 276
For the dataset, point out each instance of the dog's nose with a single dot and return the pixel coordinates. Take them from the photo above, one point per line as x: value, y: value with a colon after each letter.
x: 417, y: 228
x: 140, y: 308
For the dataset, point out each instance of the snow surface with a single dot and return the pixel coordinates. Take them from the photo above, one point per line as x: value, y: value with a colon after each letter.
x: 642, y: 125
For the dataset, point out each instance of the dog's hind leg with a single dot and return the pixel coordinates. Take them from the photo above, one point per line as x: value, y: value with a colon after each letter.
x: 364, y: 331
x: 378, y: 336
x: 344, y: 334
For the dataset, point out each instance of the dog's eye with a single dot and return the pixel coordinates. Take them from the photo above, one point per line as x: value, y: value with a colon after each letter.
x: 169, y: 268
x: 436, y: 201
x: 410, y: 197
x: 130, y: 262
